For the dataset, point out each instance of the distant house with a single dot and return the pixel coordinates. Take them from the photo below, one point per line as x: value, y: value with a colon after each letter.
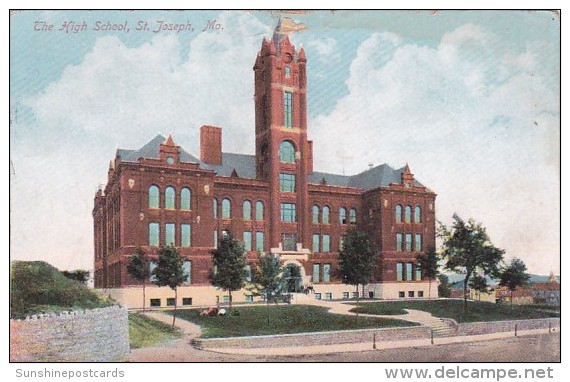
x: 520, y: 296
x: 489, y: 296
x: 546, y: 293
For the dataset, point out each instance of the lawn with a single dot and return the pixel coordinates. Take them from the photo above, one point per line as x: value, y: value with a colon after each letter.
x: 145, y: 331
x: 476, y: 311
x: 282, y: 319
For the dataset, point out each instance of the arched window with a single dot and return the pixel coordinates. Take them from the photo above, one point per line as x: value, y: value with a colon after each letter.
x: 215, y: 207
x: 418, y: 214
x: 342, y: 215
x: 326, y: 215
x: 247, y: 210
x: 226, y: 209
x: 153, y: 197
x: 315, y: 214
x: 259, y: 210
x: 408, y: 214
x: 185, y: 199
x: 169, y: 198
x: 398, y: 213
x: 287, y: 152
x: 352, y: 216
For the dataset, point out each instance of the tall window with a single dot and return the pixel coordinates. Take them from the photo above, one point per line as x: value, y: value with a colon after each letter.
x: 342, y: 215
x: 408, y: 242
x: 247, y: 272
x: 316, y: 243
x: 287, y: 152
x: 247, y: 240
x: 185, y: 196
x: 259, y: 241
x: 398, y: 242
x: 418, y: 272
x: 418, y: 214
x: 398, y: 213
x: 288, y: 212
x: 215, y: 239
x: 153, y: 197
x: 187, y: 271
x: 352, y: 216
x: 326, y: 243
x: 341, y: 243
x: 326, y: 273
x: 315, y: 214
x: 409, y: 275
x: 408, y: 214
x: 169, y: 198
x: 185, y: 235
x: 226, y: 209
x: 399, y: 271
x: 316, y: 273
x: 289, y: 241
x: 418, y: 242
x: 287, y: 71
x: 259, y: 210
x: 153, y: 234
x: 151, y: 268
x: 247, y: 210
x: 170, y: 233
x: 287, y: 182
x: 215, y: 207
x: 288, y: 109
x: 326, y: 215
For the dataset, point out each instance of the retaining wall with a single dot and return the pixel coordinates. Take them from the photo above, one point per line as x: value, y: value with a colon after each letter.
x: 98, y: 335
x: 474, y: 328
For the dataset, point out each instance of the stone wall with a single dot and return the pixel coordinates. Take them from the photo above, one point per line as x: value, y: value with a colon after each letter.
x: 474, y: 328
x: 99, y: 335
x: 321, y: 338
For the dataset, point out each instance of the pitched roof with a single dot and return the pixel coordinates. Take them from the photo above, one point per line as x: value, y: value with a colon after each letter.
x: 243, y: 164
x: 152, y: 150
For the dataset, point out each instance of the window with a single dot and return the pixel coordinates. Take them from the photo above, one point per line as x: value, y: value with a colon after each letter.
x: 289, y: 241
x: 170, y: 233
x: 316, y: 243
x: 326, y: 215
x: 328, y: 296
x: 186, y: 300
x: 418, y: 272
x: 370, y: 294
x: 187, y: 271
x: 352, y: 216
x: 153, y: 197
x: 354, y: 294
x: 226, y: 299
x: 259, y: 210
x: 341, y: 243
x: 408, y: 242
x: 401, y: 294
x: 315, y: 214
x: 226, y: 208
x: 259, y: 242
x: 418, y: 215
x: 153, y: 234
x: 248, y: 298
x: 287, y: 182
x: 418, y: 242
x: 169, y: 198
x: 247, y: 210
x: 326, y: 273
x: 185, y: 235
x: 420, y: 293
x: 326, y: 243
x: 151, y: 268
x: 287, y: 152
x: 408, y: 214
x: 342, y: 215
x: 247, y: 240
x: 216, y: 239
x: 409, y: 275
x: 399, y: 271
x: 170, y: 301
x: 398, y: 242
x: 317, y: 296
x: 411, y: 293
x: 185, y: 198
x: 288, y: 213
x: 287, y: 71
x: 170, y: 160
x: 398, y: 213
x: 215, y: 208
x: 288, y: 109
x: 345, y: 295
x: 316, y: 273
x: 247, y: 272
x: 154, y: 302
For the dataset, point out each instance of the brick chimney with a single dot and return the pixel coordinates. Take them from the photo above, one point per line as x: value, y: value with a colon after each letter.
x: 211, y: 145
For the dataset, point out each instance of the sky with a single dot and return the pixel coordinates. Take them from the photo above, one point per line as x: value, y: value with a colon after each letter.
x: 469, y: 99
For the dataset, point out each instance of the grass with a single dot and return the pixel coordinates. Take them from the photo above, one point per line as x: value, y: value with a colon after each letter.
x: 476, y: 311
x: 283, y: 319
x: 146, y: 332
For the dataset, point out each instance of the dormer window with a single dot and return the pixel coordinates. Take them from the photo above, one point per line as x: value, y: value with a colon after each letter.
x: 287, y: 72
x: 170, y: 160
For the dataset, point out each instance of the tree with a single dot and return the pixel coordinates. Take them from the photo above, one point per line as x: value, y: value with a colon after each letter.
x: 268, y: 277
x: 229, y: 263
x: 514, y: 276
x: 169, y: 272
x: 357, y: 259
x: 479, y: 283
x: 138, y: 268
x: 468, y: 250
x: 444, y: 287
x: 429, y: 266
x: 80, y: 275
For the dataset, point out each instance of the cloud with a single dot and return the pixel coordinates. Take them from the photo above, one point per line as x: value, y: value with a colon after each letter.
x: 326, y: 48
x: 476, y: 120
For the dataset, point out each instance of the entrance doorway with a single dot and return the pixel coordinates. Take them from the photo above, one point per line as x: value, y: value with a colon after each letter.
x: 292, y: 276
